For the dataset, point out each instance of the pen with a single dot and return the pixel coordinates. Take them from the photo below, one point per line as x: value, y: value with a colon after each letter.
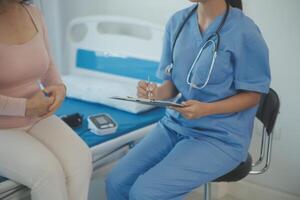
x: 41, y: 86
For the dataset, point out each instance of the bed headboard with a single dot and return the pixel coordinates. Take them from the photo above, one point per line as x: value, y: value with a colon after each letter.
x: 114, y: 45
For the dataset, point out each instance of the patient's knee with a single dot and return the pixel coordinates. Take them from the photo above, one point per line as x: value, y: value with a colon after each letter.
x: 86, y: 161
x: 49, y: 172
x: 82, y: 165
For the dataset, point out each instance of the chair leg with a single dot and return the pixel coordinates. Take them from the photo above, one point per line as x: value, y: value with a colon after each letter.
x: 207, y: 191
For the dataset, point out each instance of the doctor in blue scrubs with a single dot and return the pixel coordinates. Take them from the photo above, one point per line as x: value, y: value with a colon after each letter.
x: 215, y: 62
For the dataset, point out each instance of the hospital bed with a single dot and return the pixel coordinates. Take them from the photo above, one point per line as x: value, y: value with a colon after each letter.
x: 107, y: 55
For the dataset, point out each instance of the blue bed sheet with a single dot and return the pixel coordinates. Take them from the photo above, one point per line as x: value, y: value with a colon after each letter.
x: 127, y: 122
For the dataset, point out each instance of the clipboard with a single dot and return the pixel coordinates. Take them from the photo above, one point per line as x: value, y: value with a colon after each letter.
x: 150, y: 102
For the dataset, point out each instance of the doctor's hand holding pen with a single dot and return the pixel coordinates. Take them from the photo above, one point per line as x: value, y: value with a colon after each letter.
x: 147, y: 90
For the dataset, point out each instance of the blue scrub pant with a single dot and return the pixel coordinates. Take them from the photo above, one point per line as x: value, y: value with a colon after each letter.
x: 166, y: 165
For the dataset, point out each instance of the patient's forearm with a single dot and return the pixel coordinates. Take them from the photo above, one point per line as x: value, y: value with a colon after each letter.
x: 167, y: 91
x: 13, y: 107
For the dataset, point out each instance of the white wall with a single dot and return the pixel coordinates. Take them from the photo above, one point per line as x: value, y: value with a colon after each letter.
x: 280, y: 24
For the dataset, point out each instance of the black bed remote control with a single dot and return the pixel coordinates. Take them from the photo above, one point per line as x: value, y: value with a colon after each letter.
x: 73, y: 120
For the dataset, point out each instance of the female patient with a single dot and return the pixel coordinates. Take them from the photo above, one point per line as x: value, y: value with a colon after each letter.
x: 36, y: 148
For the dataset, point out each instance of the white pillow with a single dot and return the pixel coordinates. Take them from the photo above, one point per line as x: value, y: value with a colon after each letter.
x: 99, y: 90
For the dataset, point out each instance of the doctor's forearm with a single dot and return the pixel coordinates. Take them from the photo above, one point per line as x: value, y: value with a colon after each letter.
x: 237, y: 103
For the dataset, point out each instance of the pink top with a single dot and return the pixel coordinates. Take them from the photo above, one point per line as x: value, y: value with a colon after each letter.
x: 21, y: 66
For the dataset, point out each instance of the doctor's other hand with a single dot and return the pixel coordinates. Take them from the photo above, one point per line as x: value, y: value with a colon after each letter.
x: 147, y: 91
x: 193, y: 109
x: 58, y: 93
x: 38, y: 105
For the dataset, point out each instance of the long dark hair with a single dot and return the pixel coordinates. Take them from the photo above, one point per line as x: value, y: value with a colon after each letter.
x: 235, y: 3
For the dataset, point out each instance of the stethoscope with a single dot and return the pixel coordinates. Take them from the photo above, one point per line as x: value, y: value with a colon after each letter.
x: 209, y: 41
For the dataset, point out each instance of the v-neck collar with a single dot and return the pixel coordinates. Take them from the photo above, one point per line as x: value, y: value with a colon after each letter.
x: 210, y: 29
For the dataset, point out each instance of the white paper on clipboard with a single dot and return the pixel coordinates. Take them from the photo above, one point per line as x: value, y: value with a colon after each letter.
x: 151, y: 102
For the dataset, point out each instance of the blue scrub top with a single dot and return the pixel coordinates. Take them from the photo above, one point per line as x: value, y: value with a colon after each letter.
x: 242, y: 64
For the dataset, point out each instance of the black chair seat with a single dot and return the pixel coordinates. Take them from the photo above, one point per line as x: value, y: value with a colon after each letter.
x: 238, y: 173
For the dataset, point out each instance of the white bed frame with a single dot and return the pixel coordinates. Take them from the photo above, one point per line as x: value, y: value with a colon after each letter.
x: 120, y: 36
x: 116, y: 42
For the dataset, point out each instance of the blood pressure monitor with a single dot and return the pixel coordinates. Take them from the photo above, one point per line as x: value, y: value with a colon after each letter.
x: 102, y: 124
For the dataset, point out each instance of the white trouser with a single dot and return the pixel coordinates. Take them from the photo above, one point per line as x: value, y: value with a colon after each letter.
x: 49, y: 158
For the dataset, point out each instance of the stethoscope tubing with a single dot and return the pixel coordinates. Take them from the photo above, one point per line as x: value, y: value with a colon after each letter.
x: 188, y: 78
x: 208, y: 41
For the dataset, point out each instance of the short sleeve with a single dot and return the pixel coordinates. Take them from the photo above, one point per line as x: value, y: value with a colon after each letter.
x: 251, y: 64
x: 166, y: 57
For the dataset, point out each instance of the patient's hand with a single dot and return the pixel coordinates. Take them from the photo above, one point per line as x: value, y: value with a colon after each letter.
x: 147, y: 91
x: 38, y: 105
x: 58, y: 93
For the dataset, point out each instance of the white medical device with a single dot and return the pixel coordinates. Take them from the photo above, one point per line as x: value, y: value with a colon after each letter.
x: 102, y: 124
